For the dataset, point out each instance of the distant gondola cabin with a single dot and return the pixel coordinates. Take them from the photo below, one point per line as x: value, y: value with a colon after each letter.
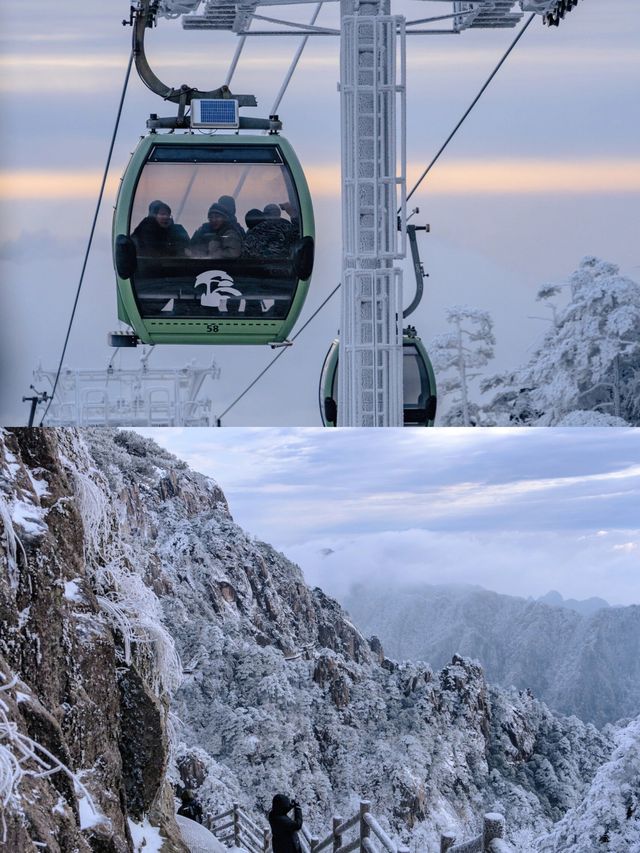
x: 419, y: 384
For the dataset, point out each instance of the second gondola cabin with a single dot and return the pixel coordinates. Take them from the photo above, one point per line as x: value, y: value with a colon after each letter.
x: 213, y: 239
x: 418, y: 380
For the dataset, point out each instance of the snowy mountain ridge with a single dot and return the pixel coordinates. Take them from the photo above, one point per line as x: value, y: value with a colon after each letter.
x: 588, y: 665
x: 281, y: 692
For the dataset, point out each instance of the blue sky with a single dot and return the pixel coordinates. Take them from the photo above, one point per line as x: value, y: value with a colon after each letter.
x: 545, y: 171
x: 517, y: 511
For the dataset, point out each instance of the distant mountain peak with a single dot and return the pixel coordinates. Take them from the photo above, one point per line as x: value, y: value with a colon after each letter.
x: 585, y: 606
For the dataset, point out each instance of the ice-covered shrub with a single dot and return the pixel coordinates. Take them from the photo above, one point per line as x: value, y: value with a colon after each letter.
x: 21, y: 756
x: 11, y: 542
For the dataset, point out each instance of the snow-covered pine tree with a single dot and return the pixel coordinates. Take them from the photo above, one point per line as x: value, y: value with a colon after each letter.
x: 467, y: 347
x: 587, y: 368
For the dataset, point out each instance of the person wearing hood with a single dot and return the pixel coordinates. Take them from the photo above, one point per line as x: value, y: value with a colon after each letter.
x: 158, y: 235
x: 216, y: 238
x: 284, y: 830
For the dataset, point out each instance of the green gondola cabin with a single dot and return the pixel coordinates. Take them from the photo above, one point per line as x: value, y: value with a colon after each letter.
x: 419, y: 383
x: 189, y: 285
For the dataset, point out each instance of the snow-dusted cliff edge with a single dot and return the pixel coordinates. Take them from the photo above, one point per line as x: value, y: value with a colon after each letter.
x: 280, y: 691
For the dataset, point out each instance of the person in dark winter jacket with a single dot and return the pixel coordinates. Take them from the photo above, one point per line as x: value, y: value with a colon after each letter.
x: 190, y: 807
x: 217, y: 238
x: 158, y: 235
x: 229, y: 204
x: 272, y: 236
x: 284, y: 830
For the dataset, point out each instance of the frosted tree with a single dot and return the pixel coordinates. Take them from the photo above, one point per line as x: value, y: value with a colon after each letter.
x: 462, y: 351
x: 546, y: 294
x: 587, y: 368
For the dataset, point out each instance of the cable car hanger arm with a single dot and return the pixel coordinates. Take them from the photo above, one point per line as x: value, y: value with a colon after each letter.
x: 143, y: 17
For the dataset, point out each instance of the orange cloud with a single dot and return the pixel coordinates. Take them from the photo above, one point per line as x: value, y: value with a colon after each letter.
x: 461, y: 177
x: 54, y: 185
x: 493, y: 177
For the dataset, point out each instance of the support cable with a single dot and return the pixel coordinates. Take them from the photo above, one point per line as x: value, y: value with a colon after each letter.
x: 294, y: 62
x: 473, y: 103
x: 91, y: 233
x: 234, y: 61
x: 282, y: 352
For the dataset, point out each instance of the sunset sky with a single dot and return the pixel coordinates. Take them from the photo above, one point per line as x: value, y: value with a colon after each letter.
x: 545, y: 171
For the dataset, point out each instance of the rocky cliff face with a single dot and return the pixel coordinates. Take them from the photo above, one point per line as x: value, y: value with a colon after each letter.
x: 280, y: 693
x: 68, y: 695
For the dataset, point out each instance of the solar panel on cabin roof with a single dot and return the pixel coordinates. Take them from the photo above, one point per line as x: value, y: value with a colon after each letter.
x: 207, y: 112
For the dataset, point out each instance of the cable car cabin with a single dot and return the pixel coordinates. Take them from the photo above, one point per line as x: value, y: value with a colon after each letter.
x: 419, y: 384
x: 213, y: 239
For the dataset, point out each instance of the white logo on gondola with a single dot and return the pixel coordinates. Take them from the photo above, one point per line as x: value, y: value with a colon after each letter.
x: 218, y: 289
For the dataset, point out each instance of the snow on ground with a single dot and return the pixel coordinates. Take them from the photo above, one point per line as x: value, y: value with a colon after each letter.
x: 198, y: 838
x: 146, y: 838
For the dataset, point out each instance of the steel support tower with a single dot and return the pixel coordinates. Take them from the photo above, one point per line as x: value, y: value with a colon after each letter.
x: 373, y: 189
x: 372, y: 97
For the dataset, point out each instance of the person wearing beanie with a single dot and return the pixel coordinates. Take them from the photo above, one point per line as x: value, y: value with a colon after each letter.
x: 229, y: 204
x: 253, y: 217
x: 284, y: 830
x: 272, y: 211
x: 217, y: 238
x: 158, y: 235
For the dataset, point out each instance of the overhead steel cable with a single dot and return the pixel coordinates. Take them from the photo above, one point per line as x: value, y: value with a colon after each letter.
x: 294, y: 62
x: 234, y: 61
x: 273, y: 360
x: 471, y: 106
x: 92, y: 232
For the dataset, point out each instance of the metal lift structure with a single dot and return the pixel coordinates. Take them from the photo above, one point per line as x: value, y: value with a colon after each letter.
x: 373, y: 121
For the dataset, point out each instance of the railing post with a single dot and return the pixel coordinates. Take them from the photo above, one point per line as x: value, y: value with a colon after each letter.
x: 446, y: 841
x: 337, y: 839
x: 493, y: 828
x: 236, y: 825
x: 365, y: 830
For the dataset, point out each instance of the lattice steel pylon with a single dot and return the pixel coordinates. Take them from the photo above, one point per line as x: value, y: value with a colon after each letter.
x: 372, y: 95
x: 370, y: 377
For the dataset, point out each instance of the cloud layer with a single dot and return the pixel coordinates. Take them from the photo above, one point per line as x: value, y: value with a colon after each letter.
x: 518, y: 511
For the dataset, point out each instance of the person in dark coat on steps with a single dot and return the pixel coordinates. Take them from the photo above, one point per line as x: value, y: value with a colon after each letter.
x: 284, y: 830
x: 190, y: 807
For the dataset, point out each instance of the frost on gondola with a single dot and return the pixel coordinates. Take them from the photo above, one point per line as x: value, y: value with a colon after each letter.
x: 181, y: 276
x: 419, y: 384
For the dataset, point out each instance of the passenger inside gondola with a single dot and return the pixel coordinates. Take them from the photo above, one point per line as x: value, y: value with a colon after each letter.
x: 158, y: 235
x: 259, y: 260
x: 272, y: 236
x: 229, y: 204
x: 219, y: 236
